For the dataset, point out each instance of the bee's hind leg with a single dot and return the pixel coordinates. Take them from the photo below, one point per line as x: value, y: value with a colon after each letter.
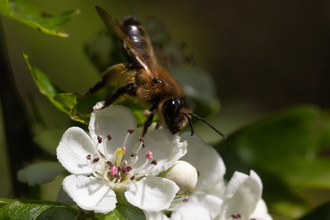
x: 120, y: 91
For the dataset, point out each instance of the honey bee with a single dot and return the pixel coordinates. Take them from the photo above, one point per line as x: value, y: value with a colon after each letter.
x: 144, y: 78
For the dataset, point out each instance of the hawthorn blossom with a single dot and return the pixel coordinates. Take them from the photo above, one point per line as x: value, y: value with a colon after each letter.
x: 113, y: 163
x: 213, y: 199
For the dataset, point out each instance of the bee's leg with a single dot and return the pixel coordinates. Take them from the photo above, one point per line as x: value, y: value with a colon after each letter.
x: 121, y: 91
x: 109, y: 76
x: 149, y: 121
x: 94, y: 89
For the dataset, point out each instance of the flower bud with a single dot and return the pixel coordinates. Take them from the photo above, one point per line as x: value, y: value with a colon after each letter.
x: 184, y: 175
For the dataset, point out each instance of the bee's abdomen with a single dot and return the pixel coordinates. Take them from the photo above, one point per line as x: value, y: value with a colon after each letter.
x: 139, y: 37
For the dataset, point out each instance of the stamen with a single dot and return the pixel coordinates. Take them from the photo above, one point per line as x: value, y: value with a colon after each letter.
x: 123, y: 148
x: 197, y: 173
x: 239, y: 215
x: 99, y: 139
x: 110, y: 164
x: 117, y: 176
x: 145, y: 173
x: 109, y: 137
x: 130, y: 131
x: 105, y: 150
x: 185, y: 200
x: 132, y: 178
x: 149, y: 155
x: 133, y: 154
x: 113, y: 170
x: 136, y: 158
x: 154, y: 162
x: 105, y: 175
x: 141, y: 139
x: 141, y: 167
x: 88, y: 157
x: 96, y: 159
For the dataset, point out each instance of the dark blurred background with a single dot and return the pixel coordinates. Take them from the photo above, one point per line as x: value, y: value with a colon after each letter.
x: 264, y: 55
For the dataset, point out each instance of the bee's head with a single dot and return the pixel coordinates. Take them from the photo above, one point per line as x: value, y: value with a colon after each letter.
x: 173, y: 111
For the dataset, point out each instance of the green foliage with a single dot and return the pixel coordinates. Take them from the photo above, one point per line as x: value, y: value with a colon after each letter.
x: 32, y: 209
x: 37, y: 18
x: 124, y: 212
x: 286, y: 150
x: 321, y: 212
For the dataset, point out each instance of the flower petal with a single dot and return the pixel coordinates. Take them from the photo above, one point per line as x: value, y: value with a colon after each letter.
x: 191, y: 212
x: 155, y: 216
x: 207, y: 201
x: 206, y: 160
x: 166, y: 149
x: 242, y: 195
x: 90, y: 193
x: 74, y: 146
x: 151, y: 193
x: 261, y: 211
x: 114, y: 120
x: 40, y: 173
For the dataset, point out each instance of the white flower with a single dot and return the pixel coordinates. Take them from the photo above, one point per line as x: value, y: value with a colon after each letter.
x: 212, y: 199
x: 112, y: 163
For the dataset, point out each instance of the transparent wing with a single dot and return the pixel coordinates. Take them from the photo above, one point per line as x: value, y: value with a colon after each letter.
x: 112, y: 25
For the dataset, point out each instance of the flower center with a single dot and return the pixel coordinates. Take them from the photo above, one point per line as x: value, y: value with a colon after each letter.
x: 116, y: 170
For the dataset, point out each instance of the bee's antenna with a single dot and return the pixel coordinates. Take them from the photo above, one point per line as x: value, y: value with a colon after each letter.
x: 191, y: 125
x: 208, y: 123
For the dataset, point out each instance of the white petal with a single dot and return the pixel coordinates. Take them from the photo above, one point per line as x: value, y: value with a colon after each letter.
x: 151, y: 193
x: 166, y: 149
x: 207, y: 201
x: 155, y: 216
x: 74, y: 146
x: 191, y: 212
x: 206, y: 160
x: 261, y: 217
x: 90, y: 193
x: 242, y: 195
x: 261, y: 211
x: 40, y: 173
x: 114, y: 120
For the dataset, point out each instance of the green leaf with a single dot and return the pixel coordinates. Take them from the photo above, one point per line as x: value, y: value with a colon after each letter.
x: 287, y: 150
x: 40, y: 173
x: 33, y: 209
x: 321, y: 212
x: 37, y: 18
x: 123, y: 212
x: 63, y: 101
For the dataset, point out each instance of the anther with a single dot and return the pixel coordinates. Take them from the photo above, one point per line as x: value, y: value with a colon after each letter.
x: 154, y: 162
x: 88, y: 157
x: 130, y: 131
x: 113, y: 170
x: 234, y: 216
x: 141, y: 139
x: 239, y: 215
x: 99, y: 139
x: 185, y: 200
x: 149, y: 155
x: 123, y: 148
x: 109, y: 137
x: 96, y: 159
x: 127, y: 168
x: 110, y: 164
x: 197, y: 173
x: 132, y: 178
x: 117, y: 176
x: 133, y: 154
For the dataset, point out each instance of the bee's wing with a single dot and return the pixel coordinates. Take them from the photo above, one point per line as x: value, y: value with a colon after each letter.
x: 111, y: 25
